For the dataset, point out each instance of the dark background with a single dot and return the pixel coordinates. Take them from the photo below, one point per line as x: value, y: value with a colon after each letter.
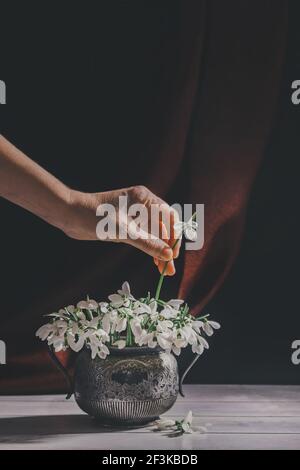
x: 79, y: 82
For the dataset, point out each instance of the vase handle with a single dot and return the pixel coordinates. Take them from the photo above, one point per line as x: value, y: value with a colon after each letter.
x: 63, y: 370
x: 181, y: 379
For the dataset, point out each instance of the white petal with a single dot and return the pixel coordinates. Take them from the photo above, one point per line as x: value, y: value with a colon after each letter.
x: 208, y: 329
x: 76, y: 345
x: 180, y: 343
x: 186, y: 428
x: 175, y: 303
x: 190, y: 233
x: 215, y: 325
x: 116, y: 300
x: 136, y: 328
x: 103, y: 307
x: 203, y: 342
x: 44, y: 331
x: 152, y: 344
x: 126, y: 288
x: 176, y: 350
x: 70, y: 308
x: 189, y: 418
x: 92, y: 304
x: 179, y: 228
x: 153, y: 306
x: 121, y: 324
x: 143, y: 308
x: 120, y: 343
x: 197, y: 349
x: 163, y: 343
x: 82, y: 304
x: 106, y: 323
x: 165, y: 423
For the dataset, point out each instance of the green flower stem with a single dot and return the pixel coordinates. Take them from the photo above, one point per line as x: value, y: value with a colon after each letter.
x: 161, y: 279
x: 129, y: 338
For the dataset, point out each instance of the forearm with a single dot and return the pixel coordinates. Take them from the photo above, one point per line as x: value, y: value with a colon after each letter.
x: 24, y: 182
x: 27, y: 184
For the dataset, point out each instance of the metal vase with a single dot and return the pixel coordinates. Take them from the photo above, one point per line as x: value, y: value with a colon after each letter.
x: 132, y: 386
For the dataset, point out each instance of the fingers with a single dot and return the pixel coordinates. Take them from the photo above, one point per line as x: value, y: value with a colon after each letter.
x: 169, y: 270
x: 149, y: 244
x: 169, y: 216
x: 161, y: 224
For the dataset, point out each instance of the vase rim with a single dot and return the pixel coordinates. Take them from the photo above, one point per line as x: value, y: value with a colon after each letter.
x: 133, y: 350
x: 130, y: 350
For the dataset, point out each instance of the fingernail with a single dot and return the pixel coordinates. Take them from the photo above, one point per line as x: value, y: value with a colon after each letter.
x: 167, y: 254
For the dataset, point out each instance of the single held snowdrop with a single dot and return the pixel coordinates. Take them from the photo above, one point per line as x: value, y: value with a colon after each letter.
x: 189, y: 229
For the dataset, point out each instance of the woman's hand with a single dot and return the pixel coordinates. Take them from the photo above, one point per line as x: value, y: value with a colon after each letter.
x: 155, y: 239
x: 27, y: 184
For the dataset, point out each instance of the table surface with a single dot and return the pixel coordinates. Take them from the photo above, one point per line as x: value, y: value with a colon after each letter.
x: 235, y: 417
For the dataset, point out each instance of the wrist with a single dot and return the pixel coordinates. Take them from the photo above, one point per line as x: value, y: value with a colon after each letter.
x: 80, y: 219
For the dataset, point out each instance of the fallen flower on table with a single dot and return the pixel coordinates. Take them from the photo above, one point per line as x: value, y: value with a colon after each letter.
x: 179, y: 427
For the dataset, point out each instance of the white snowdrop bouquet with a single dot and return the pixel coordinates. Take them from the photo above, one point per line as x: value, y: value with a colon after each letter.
x: 124, y: 321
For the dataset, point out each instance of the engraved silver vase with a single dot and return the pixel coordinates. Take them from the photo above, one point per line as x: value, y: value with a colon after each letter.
x: 132, y: 386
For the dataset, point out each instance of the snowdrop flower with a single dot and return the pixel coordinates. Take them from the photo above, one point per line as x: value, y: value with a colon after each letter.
x: 116, y: 300
x: 44, y: 331
x: 151, y: 309
x: 151, y: 343
x: 164, y: 423
x: 164, y: 341
x: 188, y: 228
x: 210, y: 326
x: 123, y: 296
x: 88, y: 304
x: 103, y: 307
x: 164, y: 326
x: 176, y: 350
x: 185, y: 425
x: 58, y: 343
x: 135, y: 325
x: 96, y: 344
x: 197, y: 349
x: 189, y: 334
x: 175, y: 303
x: 168, y: 312
x: 125, y: 290
x: 61, y: 312
x: 197, y: 325
x: 106, y: 323
x: 76, y: 345
x: 57, y: 337
x: 203, y: 342
x: 121, y: 324
x: 146, y: 339
x: 180, y: 343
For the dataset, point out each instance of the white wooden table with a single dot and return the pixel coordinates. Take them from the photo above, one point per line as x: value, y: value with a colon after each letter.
x: 236, y: 417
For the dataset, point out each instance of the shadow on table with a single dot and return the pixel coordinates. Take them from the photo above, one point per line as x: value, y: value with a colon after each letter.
x: 36, y: 428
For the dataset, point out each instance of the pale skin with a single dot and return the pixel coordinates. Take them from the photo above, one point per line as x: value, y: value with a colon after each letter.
x: 27, y: 184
